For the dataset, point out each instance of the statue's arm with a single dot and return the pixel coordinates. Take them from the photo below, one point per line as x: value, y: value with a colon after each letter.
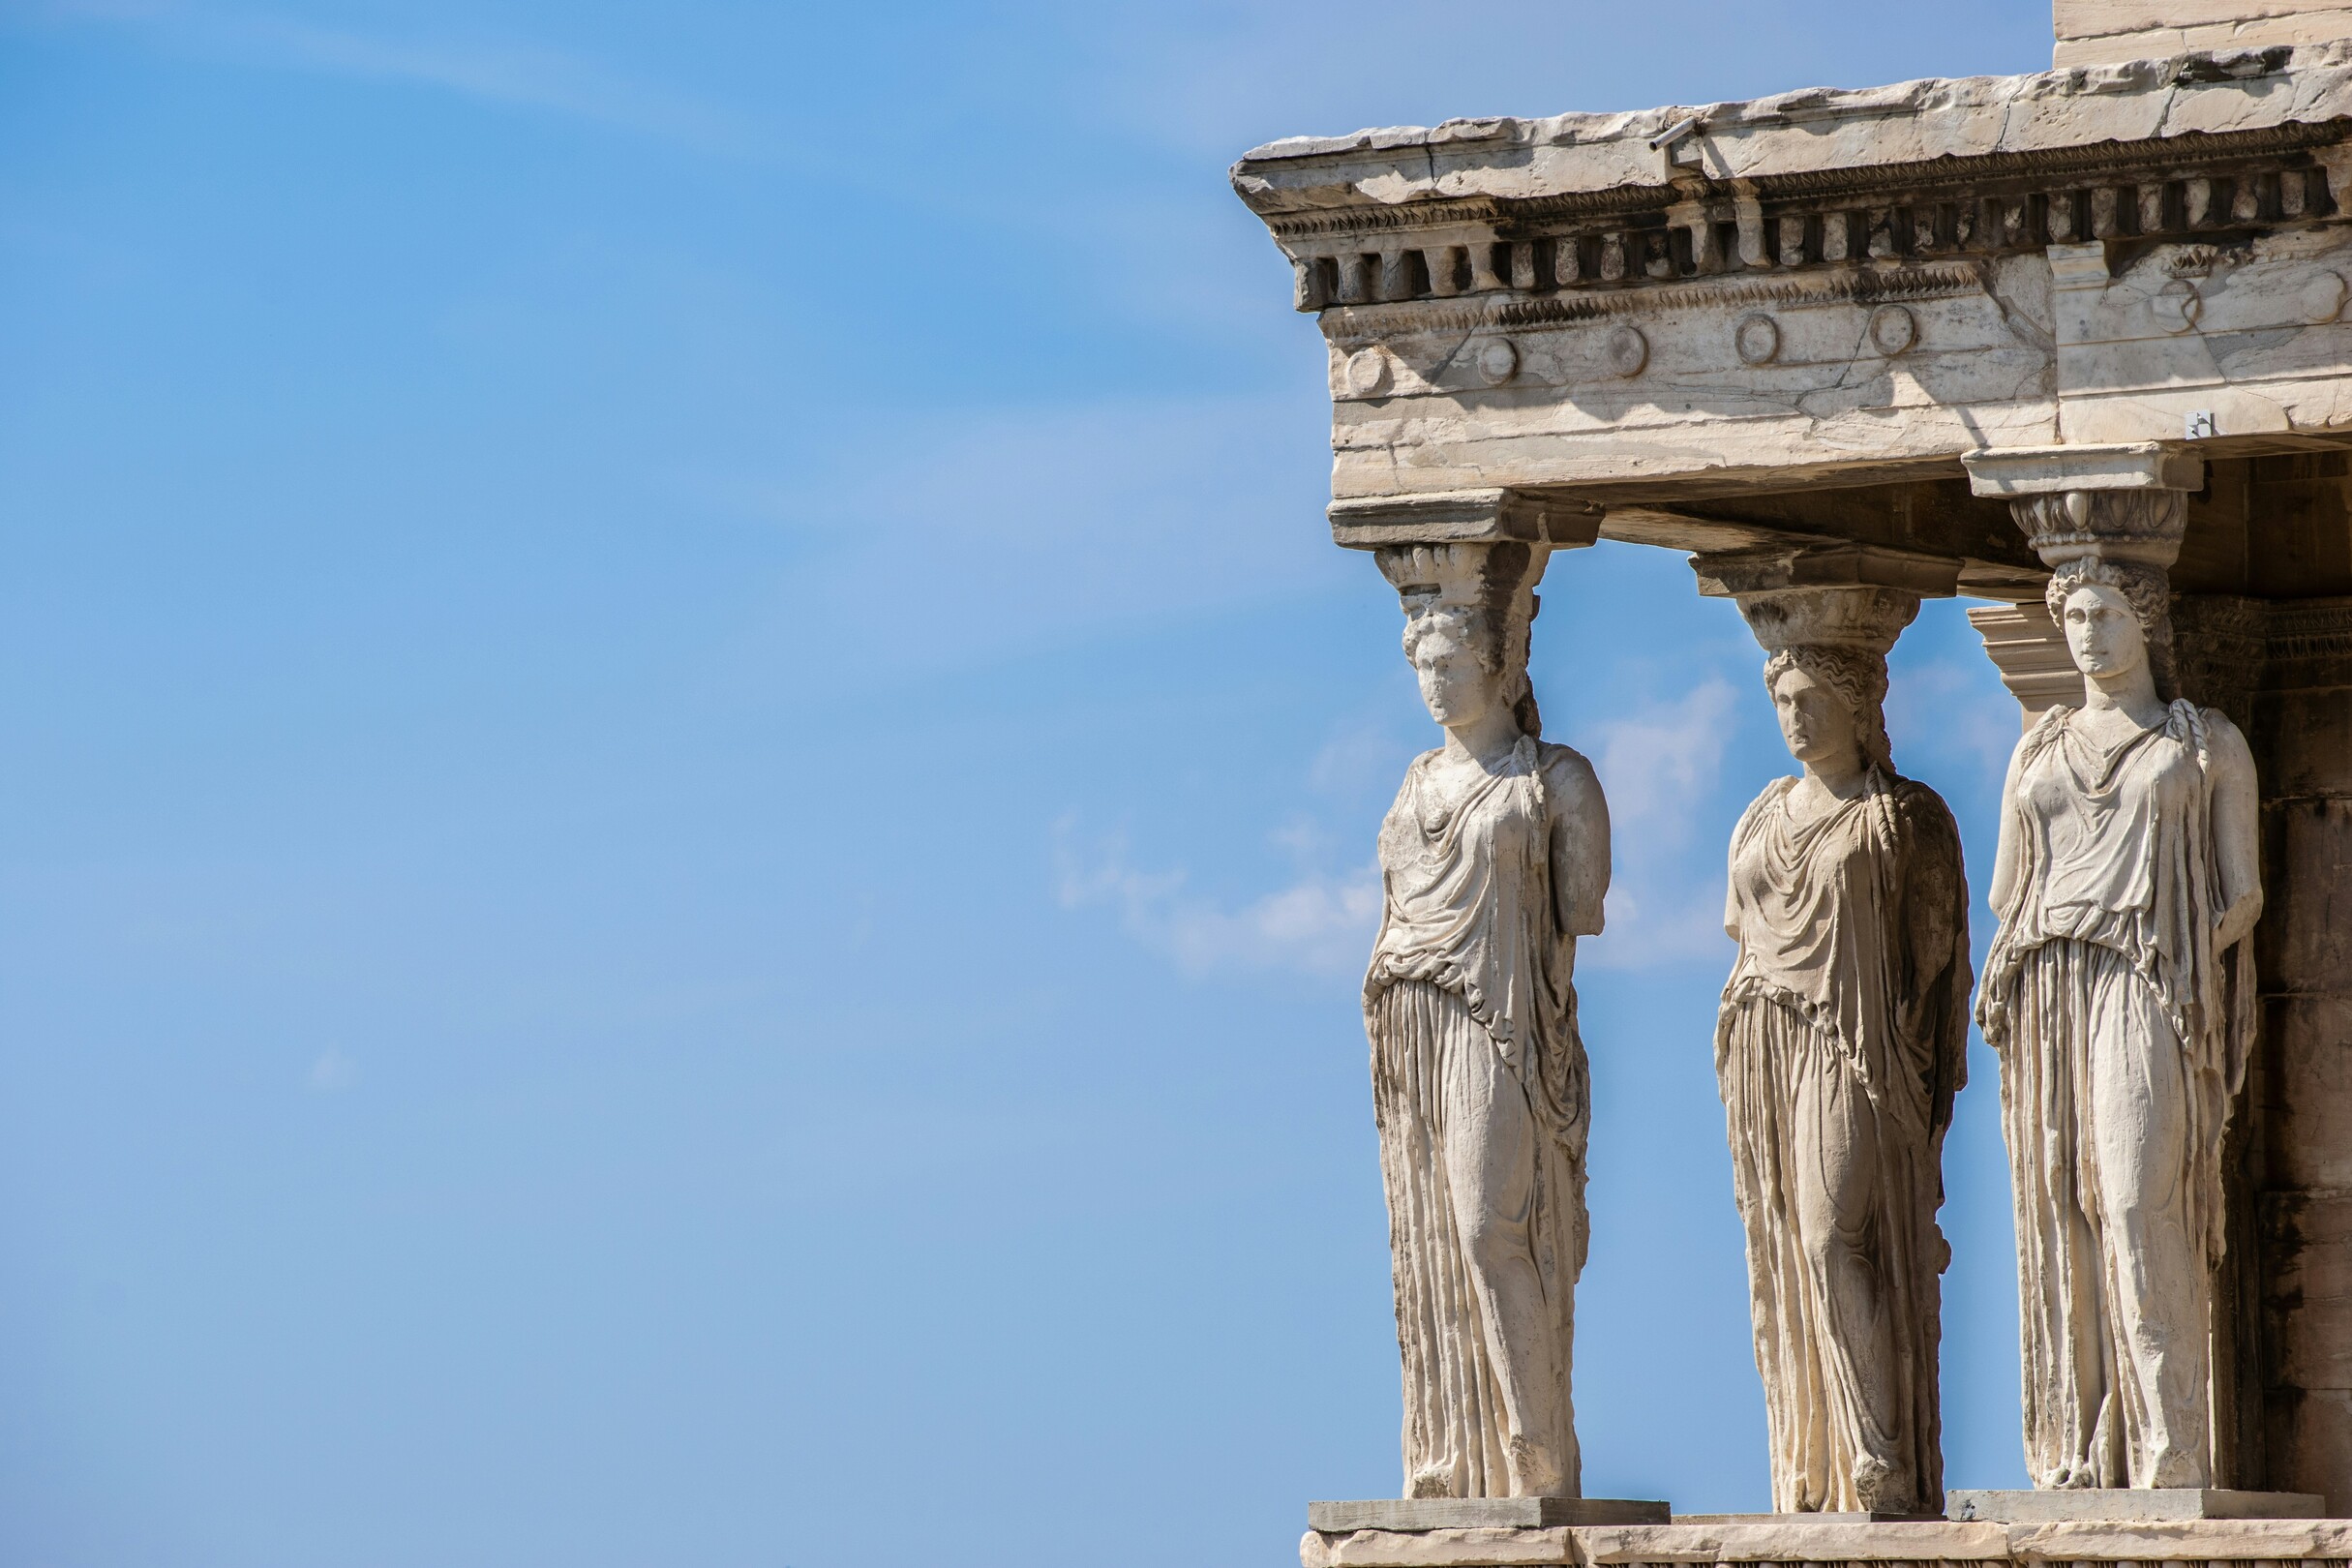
x: 1936, y: 966
x: 1731, y: 898
x: 1731, y: 855
x: 1935, y: 886
x: 1580, y: 843
x: 2006, y: 851
x: 2237, y: 830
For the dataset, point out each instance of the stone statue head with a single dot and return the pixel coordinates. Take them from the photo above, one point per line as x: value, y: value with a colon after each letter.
x: 1479, y: 597
x: 2115, y: 615
x: 1458, y: 657
x: 1828, y: 699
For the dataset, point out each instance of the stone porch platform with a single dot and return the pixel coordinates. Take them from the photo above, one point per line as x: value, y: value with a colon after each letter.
x: 1795, y: 1539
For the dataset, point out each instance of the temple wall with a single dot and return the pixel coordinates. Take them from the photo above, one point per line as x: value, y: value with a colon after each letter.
x: 2302, y: 743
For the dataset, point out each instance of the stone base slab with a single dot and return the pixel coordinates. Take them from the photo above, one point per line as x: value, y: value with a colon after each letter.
x: 2119, y: 1505
x: 1479, y: 1513
x: 1805, y: 1519
x: 1801, y: 1538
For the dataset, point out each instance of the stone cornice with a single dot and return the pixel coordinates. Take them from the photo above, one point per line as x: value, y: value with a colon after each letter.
x: 1814, y: 130
x: 2208, y: 147
x: 1945, y: 175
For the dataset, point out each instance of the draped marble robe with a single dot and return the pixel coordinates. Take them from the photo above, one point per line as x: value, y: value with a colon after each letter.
x: 2123, y: 1034
x: 1841, y: 1040
x: 1479, y: 1083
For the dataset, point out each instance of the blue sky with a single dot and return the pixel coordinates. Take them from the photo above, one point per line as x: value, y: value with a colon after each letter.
x: 686, y: 790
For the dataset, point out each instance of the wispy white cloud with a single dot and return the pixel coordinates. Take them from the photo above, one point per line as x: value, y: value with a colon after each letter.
x: 332, y: 1072
x: 1003, y: 534
x: 1953, y: 716
x: 1659, y: 770
x: 1319, y: 924
x: 502, y: 72
x: 1660, y: 763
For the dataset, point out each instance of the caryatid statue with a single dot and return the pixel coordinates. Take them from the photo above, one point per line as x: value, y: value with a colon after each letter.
x: 1841, y: 1040
x: 1494, y: 860
x: 2119, y: 995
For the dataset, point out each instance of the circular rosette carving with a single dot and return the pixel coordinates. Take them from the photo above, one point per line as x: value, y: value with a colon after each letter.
x: 1893, y: 330
x: 1366, y: 372
x: 1626, y: 352
x: 2323, y: 298
x: 1497, y: 361
x: 1757, y: 339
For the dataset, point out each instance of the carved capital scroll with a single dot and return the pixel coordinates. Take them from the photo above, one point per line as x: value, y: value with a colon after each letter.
x: 2145, y: 526
x: 1852, y: 596
x: 2123, y: 504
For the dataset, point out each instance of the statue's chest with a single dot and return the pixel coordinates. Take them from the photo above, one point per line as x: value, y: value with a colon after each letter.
x: 1441, y: 822
x: 2106, y: 818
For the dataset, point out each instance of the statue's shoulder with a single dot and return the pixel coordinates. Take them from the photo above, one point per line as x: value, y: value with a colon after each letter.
x: 2216, y: 734
x: 2041, y: 733
x: 1564, y: 764
x: 1915, y: 798
x: 2053, y: 717
x: 1766, y: 800
x: 1921, y: 810
x: 2217, y: 723
x: 1412, y: 770
x: 1568, y: 775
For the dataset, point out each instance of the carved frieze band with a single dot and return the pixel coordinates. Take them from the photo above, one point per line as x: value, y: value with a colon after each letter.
x: 1905, y: 216
x: 2308, y: 643
x: 1879, y: 287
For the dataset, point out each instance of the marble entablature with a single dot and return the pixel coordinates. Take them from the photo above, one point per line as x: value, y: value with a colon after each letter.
x: 1839, y: 285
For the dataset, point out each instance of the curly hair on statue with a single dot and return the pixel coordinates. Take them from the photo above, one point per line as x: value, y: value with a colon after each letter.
x: 1468, y: 627
x: 2145, y: 588
x: 1475, y: 629
x: 1858, y: 678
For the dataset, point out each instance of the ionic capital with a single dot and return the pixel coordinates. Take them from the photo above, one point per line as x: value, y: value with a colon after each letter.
x: 1852, y: 596
x: 2128, y: 503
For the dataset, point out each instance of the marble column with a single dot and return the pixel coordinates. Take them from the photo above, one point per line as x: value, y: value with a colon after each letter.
x: 1842, y: 1039
x: 1494, y: 861
x: 2120, y: 992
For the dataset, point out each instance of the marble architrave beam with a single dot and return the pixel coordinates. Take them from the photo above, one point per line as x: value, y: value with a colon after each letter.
x: 1746, y: 574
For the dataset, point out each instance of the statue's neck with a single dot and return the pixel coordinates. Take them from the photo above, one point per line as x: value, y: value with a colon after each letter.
x: 1487, y: 739
x: 2132, y: 692
x: 1844, y: 777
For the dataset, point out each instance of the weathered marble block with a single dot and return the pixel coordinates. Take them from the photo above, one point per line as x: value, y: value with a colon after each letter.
x: 2130, y: 1505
